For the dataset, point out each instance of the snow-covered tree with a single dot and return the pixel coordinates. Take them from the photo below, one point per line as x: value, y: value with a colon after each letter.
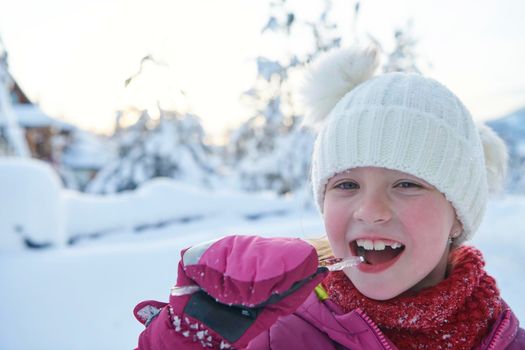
x: 284, y: 169
x: 270, y: 151
x: 82, y: 155
x: 403, y: 57
x: 168, y: 142
x: 169, y: 146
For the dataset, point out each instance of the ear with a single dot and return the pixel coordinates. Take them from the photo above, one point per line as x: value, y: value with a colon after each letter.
x: 457, y: 229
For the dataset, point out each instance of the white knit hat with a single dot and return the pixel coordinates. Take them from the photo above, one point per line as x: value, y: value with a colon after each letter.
x: 404, y: 122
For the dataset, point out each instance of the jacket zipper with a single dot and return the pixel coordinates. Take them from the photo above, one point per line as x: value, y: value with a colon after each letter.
x: 379, y: 334
x: 499, y: 331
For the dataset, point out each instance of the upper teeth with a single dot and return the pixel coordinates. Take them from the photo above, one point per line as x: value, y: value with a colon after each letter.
x: 377, y: 244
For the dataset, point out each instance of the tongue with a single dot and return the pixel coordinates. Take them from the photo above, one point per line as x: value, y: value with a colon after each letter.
x: 381, y: 256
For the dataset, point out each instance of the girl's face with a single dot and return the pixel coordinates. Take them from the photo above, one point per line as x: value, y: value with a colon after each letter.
x: 398, y: 222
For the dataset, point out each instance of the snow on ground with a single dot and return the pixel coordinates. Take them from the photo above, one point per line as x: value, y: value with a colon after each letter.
x: 162, y: 202
x: 82, y: 297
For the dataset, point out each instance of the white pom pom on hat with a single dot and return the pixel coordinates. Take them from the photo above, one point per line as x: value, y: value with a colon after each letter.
x: 496, y: 158
x: 332, y: 75
x: 403, y: 122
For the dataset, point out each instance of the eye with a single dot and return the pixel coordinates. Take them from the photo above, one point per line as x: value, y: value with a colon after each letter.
x: 407, y: 184
x: 347, y: 185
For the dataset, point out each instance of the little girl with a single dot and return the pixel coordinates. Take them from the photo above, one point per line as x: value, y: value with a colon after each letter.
x: 401, y: 176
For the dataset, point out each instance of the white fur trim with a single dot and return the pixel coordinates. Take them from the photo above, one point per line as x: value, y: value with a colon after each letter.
x: 331, y: 76
x: 496, y: 158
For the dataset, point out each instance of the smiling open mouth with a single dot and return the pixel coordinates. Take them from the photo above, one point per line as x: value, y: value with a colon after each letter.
x: 376, y: 252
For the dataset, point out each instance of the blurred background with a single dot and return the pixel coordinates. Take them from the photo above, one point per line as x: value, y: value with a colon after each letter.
x: 132, y: 129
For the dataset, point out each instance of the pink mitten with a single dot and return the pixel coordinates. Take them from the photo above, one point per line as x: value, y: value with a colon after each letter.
x: 230, y: 290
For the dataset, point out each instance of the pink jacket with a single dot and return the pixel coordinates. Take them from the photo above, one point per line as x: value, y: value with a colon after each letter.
x: 321, y: 325
x: 227, y: 268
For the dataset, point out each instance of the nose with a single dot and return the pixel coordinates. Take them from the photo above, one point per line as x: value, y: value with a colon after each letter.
x: 373, y: 208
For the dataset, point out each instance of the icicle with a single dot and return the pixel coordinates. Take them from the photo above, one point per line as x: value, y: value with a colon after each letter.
x: 338, y: 264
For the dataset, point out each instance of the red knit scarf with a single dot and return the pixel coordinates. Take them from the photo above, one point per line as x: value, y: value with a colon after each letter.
x: 454, y: 314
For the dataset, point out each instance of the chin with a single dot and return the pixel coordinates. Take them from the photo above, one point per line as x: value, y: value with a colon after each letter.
x: 377, y: 291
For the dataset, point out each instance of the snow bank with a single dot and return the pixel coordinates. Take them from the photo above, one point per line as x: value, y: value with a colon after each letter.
x: 161, y: 201
x: 31, y: 209
x: 37, y: 211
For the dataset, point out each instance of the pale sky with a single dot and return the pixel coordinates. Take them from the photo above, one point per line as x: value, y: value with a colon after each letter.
x: 74, y: 56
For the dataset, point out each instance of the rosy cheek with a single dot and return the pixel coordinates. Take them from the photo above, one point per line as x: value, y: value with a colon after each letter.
x: 333, y: 224
x: 335, y: 221
x: 424, y: 221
